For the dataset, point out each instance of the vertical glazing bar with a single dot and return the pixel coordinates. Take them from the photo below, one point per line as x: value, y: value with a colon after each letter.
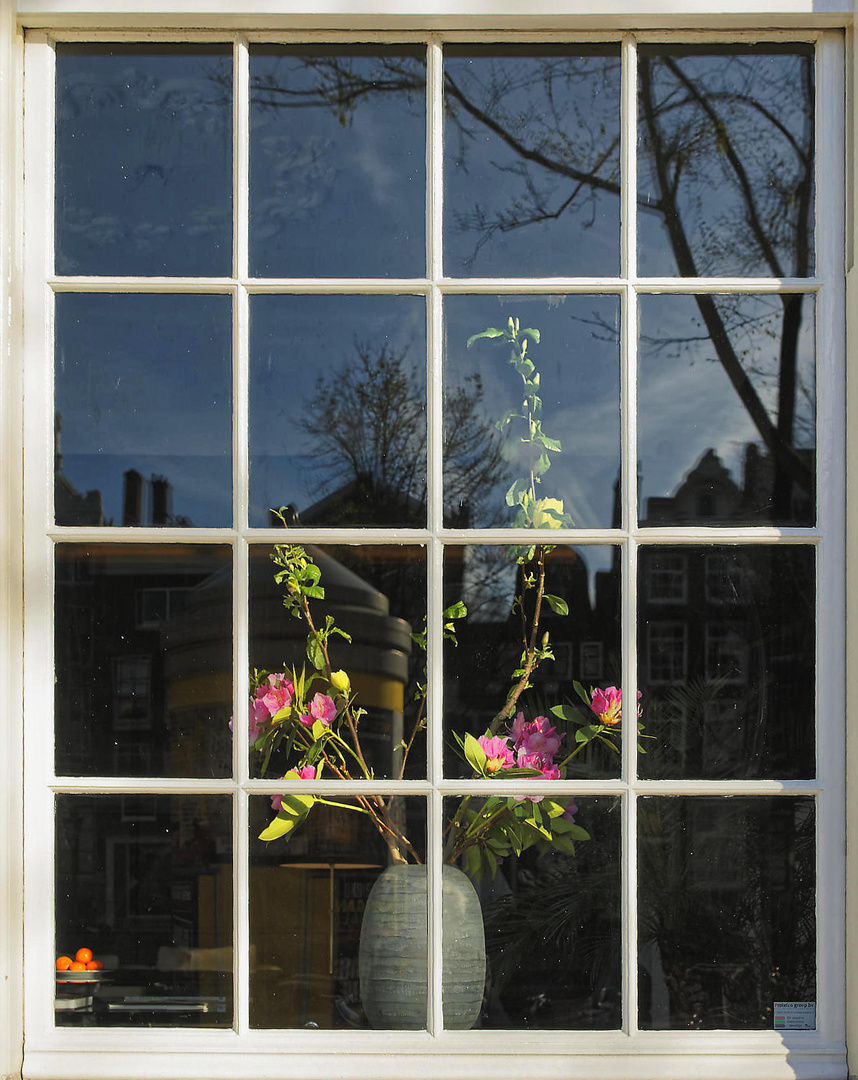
x: 11, y: 548
x: 39, y: 987
x: 240, y: 472
x: 434, y: 159
x: 628, y: 152
x: 629, y: 524
x: 241, y: 158
x: 831, y: 553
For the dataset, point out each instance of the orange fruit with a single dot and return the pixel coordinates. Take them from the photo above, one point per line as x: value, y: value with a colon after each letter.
x: 64, y: 963
x: 77, y: 965
x: 83, y: 956
x: 95, y: 965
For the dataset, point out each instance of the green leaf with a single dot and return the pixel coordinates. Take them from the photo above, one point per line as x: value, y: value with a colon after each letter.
x: 532, y: 334
x: 314, y: 652
x: 557, y: 604
x: 518, y: 491
x: 475, y: 755
x: 489, y: 332
x: 568, y: 713
x: 510, y: 414
x: 564, y: 845
x: 456, y: 611
x: 581, y: 692
x: 280, y: 826
x: 297, y: 805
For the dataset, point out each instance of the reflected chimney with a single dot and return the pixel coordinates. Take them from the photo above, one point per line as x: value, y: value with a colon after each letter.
x: 132, y: 498
x: 162, y: 500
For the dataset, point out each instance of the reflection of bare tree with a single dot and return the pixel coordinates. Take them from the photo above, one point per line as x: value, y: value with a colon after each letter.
x: 737, y: 117
x: 368, y: 422
x: 688, y: 126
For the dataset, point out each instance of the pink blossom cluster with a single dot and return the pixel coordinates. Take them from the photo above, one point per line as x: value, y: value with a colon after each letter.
x: 530, y: 744
x: 273, y: 695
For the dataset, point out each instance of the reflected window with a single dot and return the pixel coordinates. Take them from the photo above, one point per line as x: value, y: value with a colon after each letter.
x: 133, y: 680
x: 667, y: 655
x: 667, y: 577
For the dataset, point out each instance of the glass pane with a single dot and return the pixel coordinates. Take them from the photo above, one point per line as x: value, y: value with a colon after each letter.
x: 143, y: 398
x: 377, y: 597
x: 338, y: 409
x: 337, y: 161
x: 727, y: 407
x: 726, y: 160
x: 144, y: 655
x: 551, y: 915
x: 144, y: 159
x: 532, y: 160
x: 506, y: 423
x: 306, y: 967
x: 144, y: 883
x: 727, y: 909
x: 493, y: 645
x: 727, y: 662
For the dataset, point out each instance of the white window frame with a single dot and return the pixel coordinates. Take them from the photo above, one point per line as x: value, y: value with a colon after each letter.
x: 627, y: 1053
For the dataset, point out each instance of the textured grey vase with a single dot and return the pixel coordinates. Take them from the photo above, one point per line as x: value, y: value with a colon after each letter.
x: 393, y: 958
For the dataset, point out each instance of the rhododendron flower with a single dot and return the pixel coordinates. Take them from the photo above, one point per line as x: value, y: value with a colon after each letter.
x: 498, y: 752
x: 608, y: 705
x: 321, y: 708
x: 306, y: 772
x: 535, y: 736
x: 275, y: 693
x: 536, y: 761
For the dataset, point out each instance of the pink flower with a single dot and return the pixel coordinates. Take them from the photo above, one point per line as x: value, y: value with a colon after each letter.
x: 257, y: 716
x: 498, y: 752
x: 274, y: 694
x: 536, y: 761
x: 535, y: 736
x: 306, y: 772
x: 608, y: 705
x: 320, y: 708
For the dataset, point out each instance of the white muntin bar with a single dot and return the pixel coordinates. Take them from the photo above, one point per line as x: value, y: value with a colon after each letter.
x: 831, y: 552
x: 38, y: 513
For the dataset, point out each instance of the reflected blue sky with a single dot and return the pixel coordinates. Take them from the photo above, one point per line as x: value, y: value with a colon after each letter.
x: 531, y: 160
x: 144, y: 382
x: 337, y: 161
x: 578, y: 359
x: 144, y: 159
x: 294, y: 342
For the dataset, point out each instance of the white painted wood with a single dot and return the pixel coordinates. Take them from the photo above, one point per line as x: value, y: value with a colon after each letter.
x: 11, y: 549
x: 140, y: 1055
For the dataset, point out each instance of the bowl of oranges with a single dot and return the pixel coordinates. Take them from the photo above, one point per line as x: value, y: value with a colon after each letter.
x: 84, y: 967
